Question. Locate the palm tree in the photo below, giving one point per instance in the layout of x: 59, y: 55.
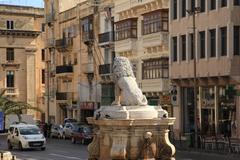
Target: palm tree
x: 8, y: 106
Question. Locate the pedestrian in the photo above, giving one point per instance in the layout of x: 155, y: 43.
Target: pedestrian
x: 45, y: 129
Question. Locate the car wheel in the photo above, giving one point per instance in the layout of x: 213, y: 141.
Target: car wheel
x: 43, y: 148
x: 9, y: 145
x: 20, y: 146
x: 73, y: 140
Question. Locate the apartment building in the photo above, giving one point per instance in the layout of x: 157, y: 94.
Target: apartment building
x: 141, y: 34
x: 22, y: 69
x: 217, y: 65
x: 106, y: 39
x: 73, y: 58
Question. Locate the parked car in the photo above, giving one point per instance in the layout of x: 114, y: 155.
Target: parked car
x: 23, y: 136
x: 68, y: 128
x: 69, y: 120
x: 82, y: 134
x: 56, y: 131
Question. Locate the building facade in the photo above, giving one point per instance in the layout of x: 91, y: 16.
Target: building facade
x: 217, y: 66
x: 22, y: 69
x: 141, y: 34
x: 73, y: 58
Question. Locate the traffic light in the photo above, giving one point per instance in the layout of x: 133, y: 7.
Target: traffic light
x: 174, y: 93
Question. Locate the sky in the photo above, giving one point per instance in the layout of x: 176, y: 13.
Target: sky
x: 34, y: 3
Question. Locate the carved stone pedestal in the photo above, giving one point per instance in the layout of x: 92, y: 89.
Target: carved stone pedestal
x: 131, y: 139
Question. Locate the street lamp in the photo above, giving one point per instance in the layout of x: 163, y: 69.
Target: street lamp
x: 193, y: 13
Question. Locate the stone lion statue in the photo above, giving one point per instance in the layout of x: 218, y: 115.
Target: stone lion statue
x: 127, y: 92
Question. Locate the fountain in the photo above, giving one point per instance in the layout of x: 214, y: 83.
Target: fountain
x: 130, y: 129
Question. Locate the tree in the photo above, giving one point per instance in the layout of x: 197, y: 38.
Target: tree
x: 8, y: 106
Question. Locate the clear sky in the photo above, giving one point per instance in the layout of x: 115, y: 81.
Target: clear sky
x: 34, y: 3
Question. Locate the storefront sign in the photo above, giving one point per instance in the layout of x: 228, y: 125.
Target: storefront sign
x: 165, y: 99
x: 87, y: 105
x: 207, y: 103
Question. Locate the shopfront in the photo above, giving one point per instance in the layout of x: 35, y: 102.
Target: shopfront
x: 87, y: 110
x: 216, y: 110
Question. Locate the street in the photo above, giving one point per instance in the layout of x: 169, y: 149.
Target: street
x: 56, y: 150
x: 65, y: 150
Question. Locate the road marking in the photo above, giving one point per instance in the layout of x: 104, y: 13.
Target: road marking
x: 63, y: 156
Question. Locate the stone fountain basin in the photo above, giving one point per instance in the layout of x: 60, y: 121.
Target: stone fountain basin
x: 123, y: 139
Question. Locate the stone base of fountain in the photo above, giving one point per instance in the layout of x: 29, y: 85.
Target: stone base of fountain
x: 131, y: 139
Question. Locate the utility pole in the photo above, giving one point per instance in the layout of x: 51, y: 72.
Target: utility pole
x: 193, y: 13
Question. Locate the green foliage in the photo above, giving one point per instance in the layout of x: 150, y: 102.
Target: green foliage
x: 8, y: 106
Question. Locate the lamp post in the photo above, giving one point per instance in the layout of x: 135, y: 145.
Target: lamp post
x: 193, y: 13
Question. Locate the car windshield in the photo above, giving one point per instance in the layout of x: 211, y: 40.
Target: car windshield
x: 87, y: 130
x: 29, y: 130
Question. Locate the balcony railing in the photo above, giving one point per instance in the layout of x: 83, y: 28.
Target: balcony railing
x: 105, y: 69
x: 87, y: 37
x: 50, y: 17
x: 106, y: 38
x: 11, y: 91
x: 12, y: 63
x: 64, y: 43
x: 64, y: 69
x: 61, y: 96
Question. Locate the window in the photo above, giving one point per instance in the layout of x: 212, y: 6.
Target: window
x: 126, y: 29
x: 202, y: 44
x: 87, y: 28
x: 175, y: 9
x: 202, y: 5
x: 183, y: 8
x: 236, y: 2
x: 10, y: 54
x: 43, y: 76
x: 223, y: 32
x: 43, y: 55
x: 10, y: 78
x: 155, y: 68
x: 174, y: 41
x: 10, y: 25
x: 106, y: 56
x: 43, y: 27
x: 155, y: 22
x: 212, y: 42
x: 191, y: 45
x: 223, y: 3
x: 183, y: 39
x: 236, y: 40
x: 212, y: 4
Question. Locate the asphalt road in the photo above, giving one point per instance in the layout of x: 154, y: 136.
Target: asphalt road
x: 65, y: 150
x: 55, y: 150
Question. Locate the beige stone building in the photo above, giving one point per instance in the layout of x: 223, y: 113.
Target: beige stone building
x: 83, y: 38
x: 73, y: 59
x: 22, y: 55
x: 141, y: 34
x: 217, y: 66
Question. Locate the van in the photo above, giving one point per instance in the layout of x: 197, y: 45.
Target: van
x: 24, y: 136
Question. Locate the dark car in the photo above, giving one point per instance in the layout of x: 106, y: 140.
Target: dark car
x: 69, y: 120
x: 82, y: 134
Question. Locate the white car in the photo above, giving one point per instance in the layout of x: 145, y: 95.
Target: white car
x: 23, y: 136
